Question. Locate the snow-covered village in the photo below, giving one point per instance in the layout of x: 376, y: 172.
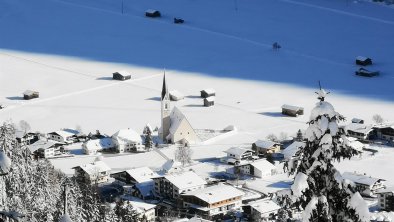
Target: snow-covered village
x: 197, y: 110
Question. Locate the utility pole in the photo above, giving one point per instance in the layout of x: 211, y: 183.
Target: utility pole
x: 122, y: 7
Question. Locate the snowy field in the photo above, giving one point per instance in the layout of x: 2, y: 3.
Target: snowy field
x: 68, y: 49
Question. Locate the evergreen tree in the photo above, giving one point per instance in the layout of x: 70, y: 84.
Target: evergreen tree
x: 148, y: 137
x: 318, y: 189
x: 299, y: 137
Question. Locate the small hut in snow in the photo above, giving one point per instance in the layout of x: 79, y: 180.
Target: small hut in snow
x: 210, y: 101
x: 121, y: 75
x: 175, y: 95
x: 292, y: 110
x: 363, y: 61
x: 207, y: 93
x: 152, y: 13
x: 30, y: 94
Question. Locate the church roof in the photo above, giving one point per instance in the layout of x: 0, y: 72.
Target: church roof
x: 176, y: 119
x: 164, y: 90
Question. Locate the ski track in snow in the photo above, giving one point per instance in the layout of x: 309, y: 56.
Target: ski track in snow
x: 340, y: 12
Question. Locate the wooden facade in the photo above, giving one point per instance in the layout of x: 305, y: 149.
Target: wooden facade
x: 292, y: 110
x: 29, y: 94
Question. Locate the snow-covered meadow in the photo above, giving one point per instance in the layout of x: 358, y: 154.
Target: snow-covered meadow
x: 68, y: 49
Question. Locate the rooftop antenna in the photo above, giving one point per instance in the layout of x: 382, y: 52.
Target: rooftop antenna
x: 321, y: 93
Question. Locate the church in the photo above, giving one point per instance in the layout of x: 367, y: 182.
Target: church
x: 175, y: 128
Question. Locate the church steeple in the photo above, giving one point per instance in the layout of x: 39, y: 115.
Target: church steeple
x: 165, y: 111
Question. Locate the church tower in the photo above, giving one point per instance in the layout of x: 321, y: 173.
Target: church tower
x: 165, y: 111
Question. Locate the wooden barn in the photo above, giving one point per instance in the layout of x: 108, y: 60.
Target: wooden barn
x: 175, y: 95
x: 210, y: 101
x: 366, y: 72
x: 363, y: 61
x: 152, y: 13
x: 121, y: 75
x: 205, y: 93
x: 292, y: 110
x: 29, y: 94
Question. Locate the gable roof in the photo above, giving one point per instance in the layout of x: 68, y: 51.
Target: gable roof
x: 93, y: 168
x: 126, y: 135
x: 292, y: 149
x: 65, y: 133
x: 210, y: 99
x: 184, y: 180
x: 41, y: 144
x: 290, y: 107
x: 98, y: 144
x: 264, y: 206
x: 237, y: 151
x: 177, y: 117
x: 142, y: 174
x: 123, y: 73
x: 360, y: 178
x: 359, y: 128
x: 265, y: 144
x: 262, y: 164
x: 214, y: 194
x: 208, y: 91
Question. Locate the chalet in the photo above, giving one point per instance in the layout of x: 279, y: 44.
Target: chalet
x: 180, y: 128
x: 45, y: 149
x: 292, y: 110
x: 291, y: 151
x: 386, y: 199
x: 384, y: 132
x: 145, y: 211
x: 175, y: 95
x: 207, y: 93
x: 172, y: 185
x: 365, y: 185
x: 364, y: 61
x: 360, y: 131
x: 96, y: 172
x: 127, y: 140
x: 366, y: 72
x: 261, y: 210
x: 66, y: 136
x: 91, y: 147
x: 212, y: 201
x: 357, y: 120
x: 26, y: 137
x: 265, y: 147
x: 259, y: 168
x: 209, y: 101
x: 152, y: 13
x: 29, y: 94
x: 121, y: 75
x: 239, y: 153
x: 135, y: 176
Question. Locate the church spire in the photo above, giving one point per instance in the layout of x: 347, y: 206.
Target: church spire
x: 164, y: 90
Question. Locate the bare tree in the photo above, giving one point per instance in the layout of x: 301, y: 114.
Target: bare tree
x: 282, y: 136
x: 78, y: 128
x: 377, y: 119
x: 272, y: 137
x: 24, y: 125
x: 184, y: 154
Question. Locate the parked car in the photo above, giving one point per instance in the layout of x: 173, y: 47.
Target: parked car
x: 366, y: 72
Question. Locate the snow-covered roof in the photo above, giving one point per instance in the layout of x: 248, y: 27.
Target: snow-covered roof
x: 264, y: 206
x: 127, y: 135
x: 361, y: 58
x: 184, y: 180
x: 262, y: 164
x: 98, y: 144
x: 65, y: 132
x: 217, y: 193
x: 95, y: 167
x: 176, y: 117
x: 142, y: 174
x: 41, y: 144
x: 360, y: 178
x: 292, y: 149
x: 29, y: 92
x: 387, y: 190
x: 238, y: 151
x: 290, y: 107
x: 138, y: 203
x: 359, y: 128
x: 176, y: 95
x: 357, y: 120
x: 208, y: 91
x: 146, y: 188
x: 357, y: 145
x: 123, y: 73
x: 210, y: 99
x: 170, y: 165
x: 265, y: 144
x: 151, y: 11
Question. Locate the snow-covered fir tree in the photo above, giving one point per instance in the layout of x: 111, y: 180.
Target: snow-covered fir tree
x: 318, y: 189
x: 299, y: 137
x: 148, y: 137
